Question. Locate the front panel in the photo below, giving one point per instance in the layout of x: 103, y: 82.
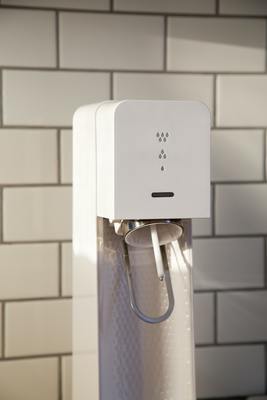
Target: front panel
x: 162, y: 160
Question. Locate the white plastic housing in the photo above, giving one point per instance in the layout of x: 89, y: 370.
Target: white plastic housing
x: 146, y: 147
x: 116, y: 168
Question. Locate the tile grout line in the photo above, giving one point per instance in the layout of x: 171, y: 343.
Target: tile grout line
x: 60, y: 387
x: 165, y: 43
x: 60, y: 270
x: 134, y: 71
x: 213, y: 210
x: 136, y: 13
x: 68, y: 127
x: 36, y: 185
x: 57, y: 39
x: 265, y: 366
x: 36, y: 356
x: 265, y: 155
x: 214, y: 101
x: 243, y: 289
x: 217, y: 7
x: 3, y: 329
x: 259, y: 343
x: 215, y: 318
x: 111, y: 6
x: 48, y: 241
x: 59, y: 177
x: 34, y: 299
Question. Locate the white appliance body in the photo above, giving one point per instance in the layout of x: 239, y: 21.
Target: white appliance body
x: 135, y: 160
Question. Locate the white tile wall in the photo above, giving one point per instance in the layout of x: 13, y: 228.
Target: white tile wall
x: 56, y: 55
x: 34, y: 153
x: 228, y: 263
x: 38, y: 327
x: 27, y: 38
x: 52, y: 98
x: 29, y: 379
x: 240, y: 100
x: 209, y: 44
x: 247, y: 146
x: 77, y: 4
x: 28, y: 270
x: 38, y: 213
x: 164, y: 86
x: 66, y: 269
x: 243, y: 7
x: 230, y: 371
x: 66, y: 378
x: 66, y: 156
x: 242, y: 317
x: 241, y: 209
x: 111, y: 41
x: 202, y: 226
x: 168, y: 6
x: 204, y: 314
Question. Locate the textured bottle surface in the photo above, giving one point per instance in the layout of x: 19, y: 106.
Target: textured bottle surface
x: 141, y: 361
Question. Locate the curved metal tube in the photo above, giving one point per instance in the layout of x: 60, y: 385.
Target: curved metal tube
x: 134, y: 306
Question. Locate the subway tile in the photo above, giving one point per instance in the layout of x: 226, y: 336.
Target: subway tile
x: 201, y: 226
x: 34, y: 156
x: 240, y: 100
x: 107, y: 41
x: 228, y: 263
x: 66, y: 269
x: 27, y: 38
x: 243, y: 7
x: 212, y: 44
x: 38, y: 327
x: 53, y: 98
x: 77, y: 4
x: 237, y: 155
x: 37, y: 213
x: 230, y: 371
x: 67, y: 378
x: 241, y: 209
x: 167, y: 6
x: 204, y: 318
x: 242, y: 317
x: 29, y: 379
x: 66, y: 156
x: 164, y: 87
x: 28, y: 270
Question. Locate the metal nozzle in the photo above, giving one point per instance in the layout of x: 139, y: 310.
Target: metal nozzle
x: 146, y: 234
